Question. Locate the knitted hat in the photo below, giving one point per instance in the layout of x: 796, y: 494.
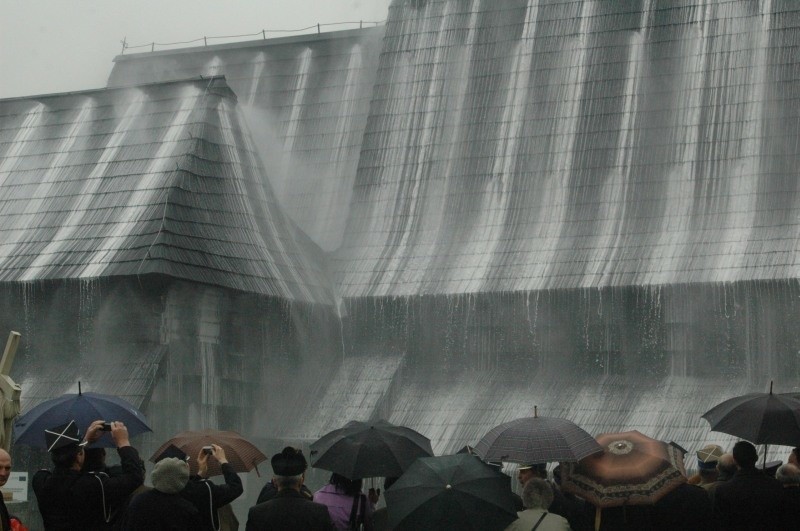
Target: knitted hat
x: 170, y: 475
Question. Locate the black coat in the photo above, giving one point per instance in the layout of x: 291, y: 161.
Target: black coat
x: 153, y: 510
x: 790, y: 514
x: 750, y: 500
x: 207, y: 496
x: 70, y: 499
x: 687, y: 508
x: 269, y: 491
x: 5, y: 521
x: 289, y: 511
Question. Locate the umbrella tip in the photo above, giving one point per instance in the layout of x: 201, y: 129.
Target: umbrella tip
x: 536, y: 412
x: 79, y: 388
x: 770, y: 387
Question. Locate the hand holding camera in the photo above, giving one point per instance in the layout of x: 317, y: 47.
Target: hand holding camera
x: 119, y: 433
x: 214, y: 450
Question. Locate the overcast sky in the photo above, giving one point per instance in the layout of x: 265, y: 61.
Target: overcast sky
x: 64, y: 45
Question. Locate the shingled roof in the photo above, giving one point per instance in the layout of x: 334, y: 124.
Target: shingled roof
x: 307, y: 100
x: 159, y: 178
x: 522, y: 146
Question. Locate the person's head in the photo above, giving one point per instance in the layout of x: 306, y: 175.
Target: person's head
x: 170, y: 475
x: 289, y: 468
x: 65, y: 446
x: 707, y: 458
x: 788, y: 475
x: 726, y: 466
x: 5, y: 466
x: 351, y: 487
x: 745, y: 455
x: 794, y: 457
x: 537, y: 494
x: 527, y: 472
x: 94, y: 459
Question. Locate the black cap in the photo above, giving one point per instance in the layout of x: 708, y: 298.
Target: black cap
x: 63, y: 436
x: 290, y: 462
x: 172, y: 451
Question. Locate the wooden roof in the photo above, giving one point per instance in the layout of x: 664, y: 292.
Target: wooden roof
x: 159, y: 178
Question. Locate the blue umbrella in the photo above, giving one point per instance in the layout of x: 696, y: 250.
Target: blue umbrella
x: 83, y: 408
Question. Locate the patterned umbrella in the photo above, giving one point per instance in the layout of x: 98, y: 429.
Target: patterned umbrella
x: 241, y: 453
x: 532, y: 440
x: 632, y: 470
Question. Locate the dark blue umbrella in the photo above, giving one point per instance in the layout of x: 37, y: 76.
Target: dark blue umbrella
x: 83, y: 408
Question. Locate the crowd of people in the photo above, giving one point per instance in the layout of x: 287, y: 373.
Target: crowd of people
x: 730, y: 492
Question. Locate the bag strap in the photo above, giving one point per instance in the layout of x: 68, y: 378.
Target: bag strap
x: 214, y: 524
x: 356, y: 515
x: 539, y: 522
x: 106, y: 510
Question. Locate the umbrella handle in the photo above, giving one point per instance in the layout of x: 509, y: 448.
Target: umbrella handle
x: 597, y: 513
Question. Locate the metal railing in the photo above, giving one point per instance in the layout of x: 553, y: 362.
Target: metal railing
x: 263, y: 34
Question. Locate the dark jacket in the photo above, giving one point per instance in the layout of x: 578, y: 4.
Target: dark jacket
x: 751, y: 500
x: 289, y: 511
x: 70, y: 500
x: 791, y: 508
x: 687, y: 508
x: 269, y: 491
x: 155, y: 511
x: 5, y: 521
x: 571, y: 508
x: 208, y: 496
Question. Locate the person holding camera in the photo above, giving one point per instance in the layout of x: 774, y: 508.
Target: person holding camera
x: 204, y: 494
x: 70, y: 498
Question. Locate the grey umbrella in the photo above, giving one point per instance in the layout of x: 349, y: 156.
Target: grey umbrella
x: 536, y: 439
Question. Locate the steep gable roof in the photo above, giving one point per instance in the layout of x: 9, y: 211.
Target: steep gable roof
x: 158, y: 178
x: 307, y: 99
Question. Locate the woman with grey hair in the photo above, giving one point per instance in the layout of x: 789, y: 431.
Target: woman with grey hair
x: 537, y: 495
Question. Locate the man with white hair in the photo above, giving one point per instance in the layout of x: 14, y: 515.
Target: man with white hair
x: 788, y: 475
x: 537, y: 495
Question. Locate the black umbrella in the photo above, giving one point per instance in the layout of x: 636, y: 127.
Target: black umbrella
x: 761, y: 418
x: 369, y: 449
x: 537, y: 439
x: 458, y: 492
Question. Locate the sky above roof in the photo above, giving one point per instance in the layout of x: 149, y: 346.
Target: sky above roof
x: 51, y: 46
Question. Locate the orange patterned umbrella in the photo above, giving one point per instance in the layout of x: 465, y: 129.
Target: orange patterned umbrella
x: 632, y: 470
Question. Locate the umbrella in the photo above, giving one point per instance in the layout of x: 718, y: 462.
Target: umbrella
x: 241, y: 453
x: 458, y: 492
x: 761, y: 418
x: 369, y: 449
x: 83, y: 408
x: 632, y: 470
x: 536, y: 439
